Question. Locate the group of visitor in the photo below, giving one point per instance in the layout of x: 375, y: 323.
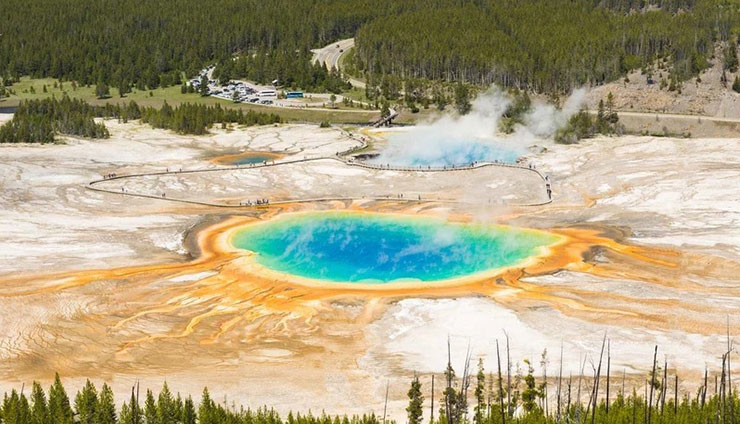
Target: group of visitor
x: 257, y: 202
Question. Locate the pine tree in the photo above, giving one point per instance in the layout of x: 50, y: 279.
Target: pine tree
x: 462, y: 98
x: 15, y: 409
x: 601, y: 116
x: 188, y: 412
x: 60, y: 410
x: 126, y: 417
x: 530, y: 393
x: 106, y: 410
x: 611, y: 113
x: 10, y: 410
x: 24, y: 410
x: 39, y: 408
x: 150, y: 408
x: 480, y: 395
x: 166, y: 413
x: 86, y: 404
x: 385, y: 109
x: 178, y: 406
x: 205, y: 412
x: 416, y: 401
x: 730, y: 53
x: 203, y: 88
x: 102, y: 90
x: 736, y: 84
x: 123, y: 88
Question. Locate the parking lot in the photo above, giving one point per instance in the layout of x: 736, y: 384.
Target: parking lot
x: 239, y: 91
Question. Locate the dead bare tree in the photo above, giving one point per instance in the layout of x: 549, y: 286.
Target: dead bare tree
x: 560, y: 382
x: 500, y: 385
x: 578, y: 394
x: 664, y: 386
x: 624, y: 376
x: 723, y: 387
x: 570, y: 386
x: 385, y: 405
x: 508, y: 377
x: 675, y: 396
x: 591, y: 393
x: 652, y: 386
x: 431, y: 408
x: 463, y: 395
x: 704, y: 390
x: 544, y: 380
x: 718, y: 414
x: 137, y: 416
x: 448, y: 375
x: 597, y: 379
x: 608, y: 372
x: 729, y: 372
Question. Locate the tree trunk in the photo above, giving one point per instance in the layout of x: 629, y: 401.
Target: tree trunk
x: 652, y: 386
x: 500, y: 386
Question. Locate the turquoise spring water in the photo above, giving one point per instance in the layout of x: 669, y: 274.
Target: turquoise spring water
x: 253, y: 158
x: 376, y: 248
x: 444, y: 153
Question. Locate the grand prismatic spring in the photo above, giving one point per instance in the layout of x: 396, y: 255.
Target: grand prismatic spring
x: 377, y: 249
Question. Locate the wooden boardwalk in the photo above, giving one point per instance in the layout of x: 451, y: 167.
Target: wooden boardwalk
x: 340, y: 156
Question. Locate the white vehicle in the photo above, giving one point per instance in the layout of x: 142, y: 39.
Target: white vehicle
x: 267, y: 93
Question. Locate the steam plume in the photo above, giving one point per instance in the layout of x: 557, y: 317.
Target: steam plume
x: 460, y: 140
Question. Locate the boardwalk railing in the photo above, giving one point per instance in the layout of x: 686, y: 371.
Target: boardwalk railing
x: 386, y: 119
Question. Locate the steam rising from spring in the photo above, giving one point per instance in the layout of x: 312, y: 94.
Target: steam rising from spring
x: 460, y: 140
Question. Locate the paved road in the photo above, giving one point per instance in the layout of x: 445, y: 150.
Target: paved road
x: 676, y: 115
x: 329, y: 55
x: 699, y: 126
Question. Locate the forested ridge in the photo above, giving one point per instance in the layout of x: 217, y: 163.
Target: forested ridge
x: 545, y: 45
x: 146, y: 44
x: 540, y: 45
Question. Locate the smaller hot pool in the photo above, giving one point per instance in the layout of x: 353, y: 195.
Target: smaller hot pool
x: 248, y: 158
